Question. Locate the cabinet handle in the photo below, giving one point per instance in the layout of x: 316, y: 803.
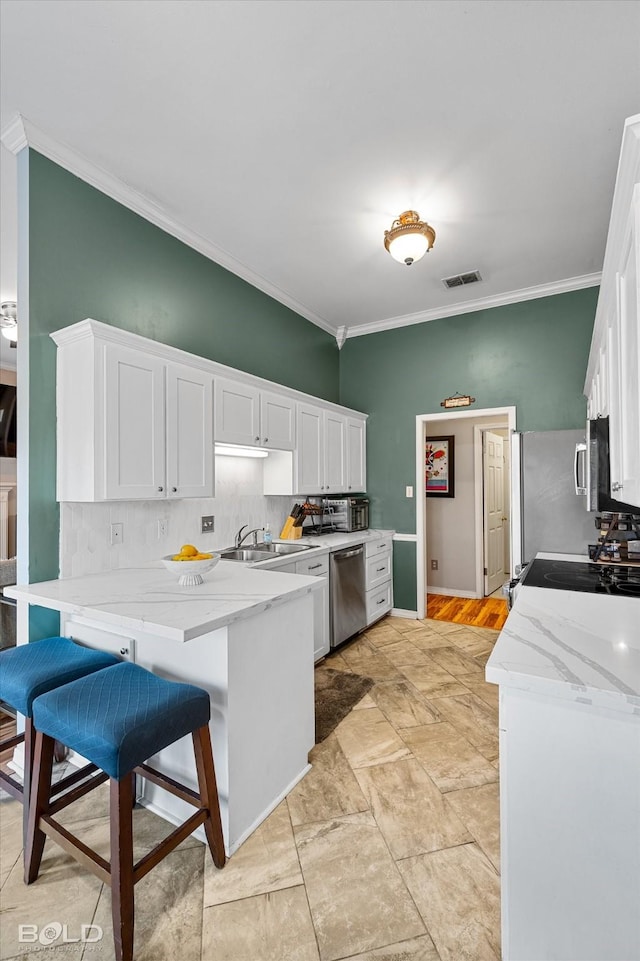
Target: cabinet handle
x: 174, y: 490
x: 379, y: 570
x: 160, y: 490
x: 257, y: 439
x: 382, y: 600
x: 313, y: 567
x: 380, y: 546
x: 124, y: 650
x: 266, y: 440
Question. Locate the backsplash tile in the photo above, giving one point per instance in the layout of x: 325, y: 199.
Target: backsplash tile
x: 85, y: 529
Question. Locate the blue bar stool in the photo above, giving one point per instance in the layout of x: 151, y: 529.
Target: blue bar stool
x: 33, y: 669
x: 117, y: 719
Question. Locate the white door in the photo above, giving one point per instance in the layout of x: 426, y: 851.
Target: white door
x: 335, y: 476
x: 237, y: 413
x: 494, y: 515
x: 310, y: 450
x: 189, y: 432
x: 134, y: 425
x: 277, y: 421
x: 356, y: 466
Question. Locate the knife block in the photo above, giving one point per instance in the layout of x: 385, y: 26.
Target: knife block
x: 289, y: 532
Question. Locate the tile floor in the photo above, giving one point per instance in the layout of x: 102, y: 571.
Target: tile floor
x: 388, y: 850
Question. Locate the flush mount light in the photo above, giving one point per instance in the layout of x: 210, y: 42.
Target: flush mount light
x: 409, y: 238
x: 9, y: 321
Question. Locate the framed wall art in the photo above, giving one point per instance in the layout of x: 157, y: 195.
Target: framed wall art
x: 439, y: 467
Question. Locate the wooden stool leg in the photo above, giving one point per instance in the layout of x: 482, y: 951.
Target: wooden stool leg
x: 38, y: 805
x: 29, y: 748
x: 122, y: 907
x: 209, y: 793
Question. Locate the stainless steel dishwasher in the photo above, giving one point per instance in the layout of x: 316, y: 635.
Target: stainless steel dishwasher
x: 347, y: 588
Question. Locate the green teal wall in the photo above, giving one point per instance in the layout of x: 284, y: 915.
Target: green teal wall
x: 91, y: 257
x: 532, y: 355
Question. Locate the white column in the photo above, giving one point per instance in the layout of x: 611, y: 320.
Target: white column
x: 5, y: 490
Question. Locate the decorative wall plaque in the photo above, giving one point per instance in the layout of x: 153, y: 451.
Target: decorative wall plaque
x: 457, y: 400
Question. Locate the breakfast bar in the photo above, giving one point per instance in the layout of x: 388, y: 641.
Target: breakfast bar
x: 244, y: 635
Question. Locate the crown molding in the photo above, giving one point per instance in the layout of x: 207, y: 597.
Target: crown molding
x: 482, y: 303
x: 22, y: 133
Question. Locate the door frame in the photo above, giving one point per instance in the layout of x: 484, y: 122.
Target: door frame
x: 422, y: 420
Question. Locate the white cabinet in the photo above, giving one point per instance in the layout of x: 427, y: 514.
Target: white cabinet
x: 330, y: 453
x: 356, y: 455
x: 624, y: 424
x: 569, y: 828
x: 378, y: 578
x: 251, y: 417
x: 314, y: 567
x: 131, y: 425
x: 612, y: 384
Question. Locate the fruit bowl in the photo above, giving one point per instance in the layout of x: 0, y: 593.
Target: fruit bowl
x: 189, y: 573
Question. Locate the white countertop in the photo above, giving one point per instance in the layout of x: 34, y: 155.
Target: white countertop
x: 149, y: 599
x: 323, y: 543
x: 572, y: 645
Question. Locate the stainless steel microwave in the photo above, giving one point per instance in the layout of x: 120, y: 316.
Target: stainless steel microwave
x: 348, y: 513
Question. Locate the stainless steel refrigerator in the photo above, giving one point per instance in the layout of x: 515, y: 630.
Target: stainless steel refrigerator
x: 552, y: 517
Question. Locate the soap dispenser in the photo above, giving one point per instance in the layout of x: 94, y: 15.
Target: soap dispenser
x: 267, y: 536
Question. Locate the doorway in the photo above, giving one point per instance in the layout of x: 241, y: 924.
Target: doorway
x: 454, y: 528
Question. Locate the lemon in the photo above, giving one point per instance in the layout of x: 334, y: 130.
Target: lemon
x: 188, y: 550
x: 202, y: 557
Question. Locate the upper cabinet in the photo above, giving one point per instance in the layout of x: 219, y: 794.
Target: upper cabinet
x: 251, y: 417
x: 330, y: 453
x: 612, y: 385
x: 131, y: 425
x: 138, y: 420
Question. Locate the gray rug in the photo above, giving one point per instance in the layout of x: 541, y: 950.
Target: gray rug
x: 336, y: 693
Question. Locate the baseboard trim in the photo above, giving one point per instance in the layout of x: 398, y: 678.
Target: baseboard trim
x: 453, y: 592
x: 400, y: 612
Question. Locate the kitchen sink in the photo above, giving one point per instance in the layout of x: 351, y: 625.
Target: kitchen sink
x: 244, y: 554
x: 261, y: 552
x: 284, y: 548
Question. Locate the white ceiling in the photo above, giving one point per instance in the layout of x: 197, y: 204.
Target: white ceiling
x: 284, y: 137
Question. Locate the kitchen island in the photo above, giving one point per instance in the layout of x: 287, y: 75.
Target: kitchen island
x: 568, y: 667
x: 244, y: 635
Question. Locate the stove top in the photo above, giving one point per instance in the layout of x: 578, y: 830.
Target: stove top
x: 620, y: 579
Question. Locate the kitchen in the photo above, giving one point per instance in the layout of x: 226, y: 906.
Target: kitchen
x: 382, y: 373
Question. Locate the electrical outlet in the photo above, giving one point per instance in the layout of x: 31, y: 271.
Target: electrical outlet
x: 206, y: 524
x: 162, y: 528
x: 116, y: 533
x: 408, y: 491
x: 434, y: 565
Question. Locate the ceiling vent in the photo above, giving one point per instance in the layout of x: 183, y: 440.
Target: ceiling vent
x: 461, y: 280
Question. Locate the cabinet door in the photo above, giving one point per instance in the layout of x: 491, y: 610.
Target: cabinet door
x: 277, y: 421
x: 310, y: 450
x: 335, y: 478
x: 625, y: 468
x: 356, y: 455
x: 134, y: 424
x: 189, y: 432
x: 237, y: 413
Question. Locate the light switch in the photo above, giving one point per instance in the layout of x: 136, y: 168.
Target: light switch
x: 409, y: 491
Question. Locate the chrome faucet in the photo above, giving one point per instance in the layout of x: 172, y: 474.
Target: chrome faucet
x: 240, y: 537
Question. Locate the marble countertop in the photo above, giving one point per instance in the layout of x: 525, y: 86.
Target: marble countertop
x: 322, y: 544
x: 149, y: 599
x: 572, y: 645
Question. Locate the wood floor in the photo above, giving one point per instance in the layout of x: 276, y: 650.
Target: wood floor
x: 476, y: 612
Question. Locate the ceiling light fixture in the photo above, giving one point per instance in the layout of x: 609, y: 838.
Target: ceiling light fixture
x: 409, y: 238
x: 9, y: 321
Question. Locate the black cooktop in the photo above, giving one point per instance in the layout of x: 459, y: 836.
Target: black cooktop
x: 621, y: 579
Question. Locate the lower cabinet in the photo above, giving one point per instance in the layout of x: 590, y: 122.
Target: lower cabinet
x: 378, y: 578
x: 315, y: 567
